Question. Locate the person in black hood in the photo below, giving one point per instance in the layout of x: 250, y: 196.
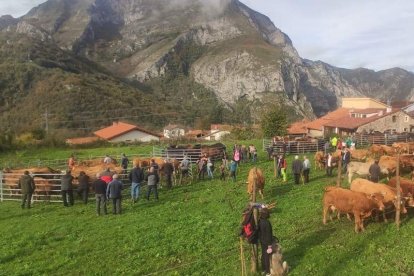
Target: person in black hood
x: 67, y: 188
x: 83, y: 188
x: 266, y: 239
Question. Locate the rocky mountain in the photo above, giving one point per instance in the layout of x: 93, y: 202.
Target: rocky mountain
x: 156, y: 49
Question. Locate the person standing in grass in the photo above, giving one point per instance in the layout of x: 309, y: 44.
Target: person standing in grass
x: 124, y: 163
x: 153, y: 180
x: 233, y: 169
x: 83, y: 188
x: 71, y: 162
x: 185, y: 166
x: 297, y: 168
x: 114, y: 192
x: 136, y: 176
x: 168, y: 170
x: 346, y: 159
x: 266, y: 239
x: 67, y: 188
x: 329, y: 164
x: 283, y: 167
x: 210, y: 167
x: 306, y: 169
x: 223, y: 171
x: 27, y: 186
x: 107, y: 175
x: 99, y: 186
x: 375, y: 172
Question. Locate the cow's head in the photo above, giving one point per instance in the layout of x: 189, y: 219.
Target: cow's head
x: 409, y: 200
x: 402, y: 204
x: 379, y: 200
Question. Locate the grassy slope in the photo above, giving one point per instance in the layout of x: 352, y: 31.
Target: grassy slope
x: 193, y: 231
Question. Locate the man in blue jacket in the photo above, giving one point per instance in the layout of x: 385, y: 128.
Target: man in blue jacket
x: 114, y: 192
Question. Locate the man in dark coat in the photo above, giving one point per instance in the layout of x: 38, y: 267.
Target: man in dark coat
x: 266, y: 239
x: 297, y: 167
x: 375, y: 172
x: 168, y: 170
x: 83, y: 188
x: 99, y: 186
x: 67, y: 189
x: 346, y: 158
x: 27, y: 186
x: 114, y: 192
x: 124, y: 163
x: 136, y: 176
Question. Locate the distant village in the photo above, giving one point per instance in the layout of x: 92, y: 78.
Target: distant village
x: 356, y: 115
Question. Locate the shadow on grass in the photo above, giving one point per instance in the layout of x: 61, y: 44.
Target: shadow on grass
x: 296, y: 254
x: 344, y: 259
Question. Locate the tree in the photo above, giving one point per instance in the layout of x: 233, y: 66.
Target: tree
x: 274, y: 122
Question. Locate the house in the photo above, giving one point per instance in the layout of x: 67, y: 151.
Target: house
x: 173, y: 131
x: 216, y: 135
x: 123, y: 132
x: 217, y: 132
x: 316, y: 127
x: 359, y: 115
x: 298, y: 128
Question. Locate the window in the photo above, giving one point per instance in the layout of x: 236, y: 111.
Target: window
x: 405, y: 129
x: 364, y: 116
x: 394, y: 119
x: 406, y: 119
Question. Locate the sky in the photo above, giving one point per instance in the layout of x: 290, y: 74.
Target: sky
x: 375, y: 34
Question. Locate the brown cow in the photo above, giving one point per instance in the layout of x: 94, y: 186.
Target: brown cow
x: 346, y: 201
x: 402, y: 147
x: 12, y: 176
x: 388, y: 150
x: 389, y: 163
x: 389, y: 193
x: 255, y: 175
x: 91, y: 171
x: 359, y: 154
x: 320, y: 160
x: 376, y: 150
x: 407, y: 187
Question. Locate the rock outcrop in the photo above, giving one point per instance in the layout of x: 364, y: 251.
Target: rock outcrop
x: 222, y: 44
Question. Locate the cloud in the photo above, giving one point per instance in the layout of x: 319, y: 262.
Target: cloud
x: 373, y: 33
x: 209, y: 8
x: 18, y: 8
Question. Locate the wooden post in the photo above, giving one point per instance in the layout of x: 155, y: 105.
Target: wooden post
x: 398, y: 211
x: 338, y: 180
x: 254, y: 259
x: 275, y: 166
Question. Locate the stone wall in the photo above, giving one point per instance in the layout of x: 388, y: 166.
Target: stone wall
x: 398, y: 121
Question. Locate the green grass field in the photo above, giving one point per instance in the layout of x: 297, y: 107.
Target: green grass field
x: 193, y: 230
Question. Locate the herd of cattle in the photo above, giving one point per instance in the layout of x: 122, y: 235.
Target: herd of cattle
x: 360, y: 200
x: 362, y: 159
x: 47, y: 180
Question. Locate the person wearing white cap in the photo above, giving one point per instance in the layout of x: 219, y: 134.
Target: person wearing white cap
x: 114, y: 192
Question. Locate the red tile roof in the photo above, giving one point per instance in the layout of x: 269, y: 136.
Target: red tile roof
x: 298, y: 127
x: 331, y: 116
x: 120, y: 128
x: 353, y: 123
